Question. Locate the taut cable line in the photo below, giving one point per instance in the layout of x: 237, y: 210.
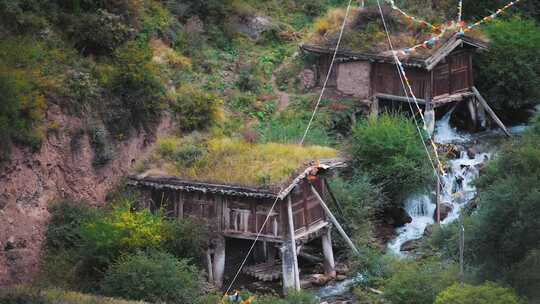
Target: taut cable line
x: 329, y: 72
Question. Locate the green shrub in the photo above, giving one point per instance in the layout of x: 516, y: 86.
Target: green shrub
x: 419, y: 282
x: 58, y: 269
x: 22, y: 109
x: 468, y: 294
x: 359, y: 199
x: 121, y: 231
x: 187, y: 238
x: 99, y: 33
x: 152, y: 276
x: 27, y: 295
x: 512, y: 83
x: 525, y: 275
x: 136, y: 82
x: 294, y: 297
x: 63, y: 231
x: 195, y: 109
x: 250, y: 78
x: 389, y: 148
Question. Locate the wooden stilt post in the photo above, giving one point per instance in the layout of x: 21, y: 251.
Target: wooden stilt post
x: 472, y: 110
x: 328, y: 252
x: 490, y: 111
x: 209, y: 266
x: 429, y: 117
x: 219, y: 261
x: 334, y: 221
x: 287, y: 265
x: 293, y: 244
x: 374, y: 111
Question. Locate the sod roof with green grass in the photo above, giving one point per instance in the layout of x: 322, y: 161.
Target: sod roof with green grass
x: 234, y: 162
x: 365, y: 33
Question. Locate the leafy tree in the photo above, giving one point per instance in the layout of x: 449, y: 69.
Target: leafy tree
x: 123, y: 231
x: 468, y: 294
x: 152, y: 276
x: 419, y: 282
x: 389, y: 149
x: 509, y: 74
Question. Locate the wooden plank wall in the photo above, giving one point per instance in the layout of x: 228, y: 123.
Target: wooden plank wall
x: 243, y: 216
x: 387, y: 81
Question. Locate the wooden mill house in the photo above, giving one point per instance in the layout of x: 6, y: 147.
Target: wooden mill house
x: 280, y: 216
x: 439, y: 74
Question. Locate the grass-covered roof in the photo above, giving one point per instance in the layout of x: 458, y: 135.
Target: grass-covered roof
x: 232, y: 162
x: 365, y: 32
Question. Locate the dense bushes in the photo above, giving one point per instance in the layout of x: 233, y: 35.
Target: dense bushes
x: 110, y: 250
x: 187, y: 239
x: 138, y: 84
x: 389, y: 148
x: 63, y: 231
x: 21, y: 109
x: 152, y: 276
x: 21, y: 295
x: 195, y: 108
x: 512, y: 83
x: 122, y: 231
x: 419, y: 282
x: 99, y: 33
x: 468, y: 294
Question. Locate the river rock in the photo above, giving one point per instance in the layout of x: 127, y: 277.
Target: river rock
x: 319, y: 279
x: 342, y: 269
x: 397, y: 217
x: 429, y: 230
x: 340, y: 277
x: 411, y: 245
x: 446, y: 209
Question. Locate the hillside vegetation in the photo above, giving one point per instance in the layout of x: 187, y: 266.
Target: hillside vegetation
x: 220, y: 70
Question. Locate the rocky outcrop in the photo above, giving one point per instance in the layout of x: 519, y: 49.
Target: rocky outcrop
x: 252, y: 26
x: 62, y: 169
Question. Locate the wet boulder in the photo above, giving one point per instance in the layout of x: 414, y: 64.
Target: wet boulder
x: 411, y: 245
x: 446, y: 209
x: 397, y: 217
x: 319, y: 279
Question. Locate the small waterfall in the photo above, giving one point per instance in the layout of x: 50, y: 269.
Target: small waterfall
x: 444, y: 133
x: 420, y: 208
x: 458, y: 189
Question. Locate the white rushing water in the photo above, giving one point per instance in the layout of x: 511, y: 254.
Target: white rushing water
x: 458, y: 189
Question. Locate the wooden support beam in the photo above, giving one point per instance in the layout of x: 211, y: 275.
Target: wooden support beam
x: 335, y: 221
x: 293, y: 244
x: 399, y: 98
x: 490, y: 111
